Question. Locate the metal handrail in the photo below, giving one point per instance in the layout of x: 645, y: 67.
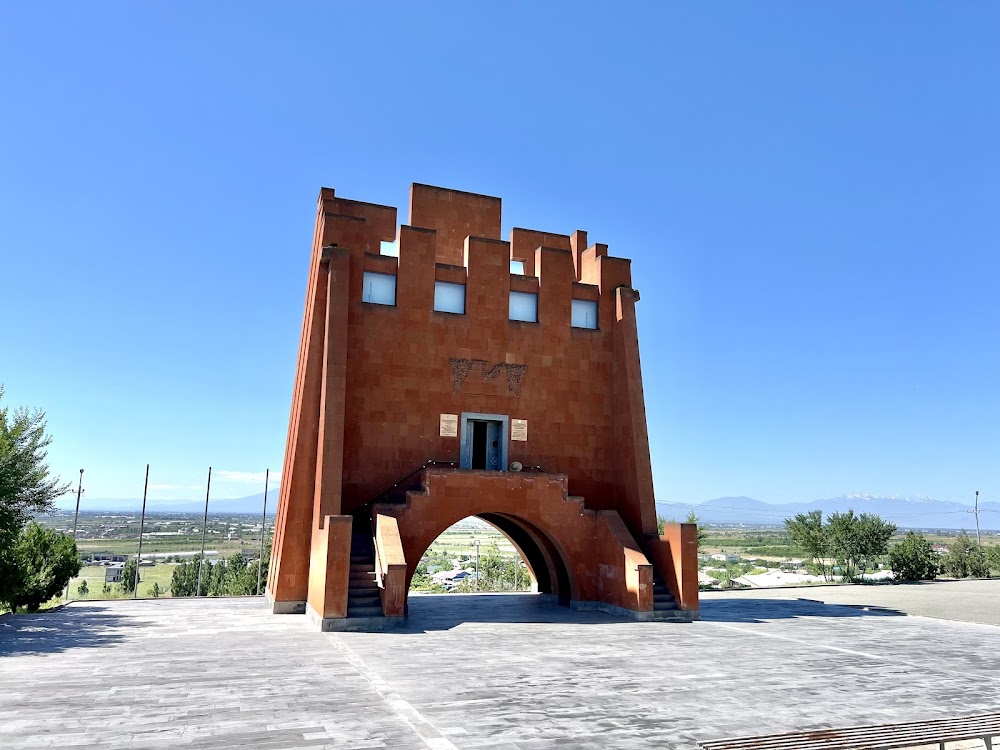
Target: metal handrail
x: 424, y: 465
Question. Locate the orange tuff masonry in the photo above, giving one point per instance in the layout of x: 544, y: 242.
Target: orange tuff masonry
x: 373, y: 381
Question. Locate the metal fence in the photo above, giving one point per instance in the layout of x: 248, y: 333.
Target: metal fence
x: 169, y: 552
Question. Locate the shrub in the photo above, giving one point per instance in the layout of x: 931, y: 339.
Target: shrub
x: 82, y: 590
x: 913, y: 559
x: 44, y: 561
x: 965, y: 559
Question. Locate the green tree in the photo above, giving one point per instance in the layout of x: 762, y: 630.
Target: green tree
x: 874, y: 534
x: 106, y: 589
x: 25, y: 485
x: 214, y: 577
x: 82, y: 590
x: 25, y: 490
x: 156, y: 590
x: 914, y: 559
x: 857, y: 541
x: 184, y: 579
x: 993, y: 559
x: 128, y: 576
x: 965, y: 559
x: 44, y: 561
x: 263, y: 564
x: 811, y: 535
x: 239, y: 579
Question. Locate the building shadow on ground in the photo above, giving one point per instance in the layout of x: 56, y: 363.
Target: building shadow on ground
x: 63, y: 629
x: 446, y: 611
x: 761, y: 610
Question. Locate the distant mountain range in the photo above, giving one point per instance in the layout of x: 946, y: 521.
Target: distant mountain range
x: 905, y: 512
x: 249, y: 504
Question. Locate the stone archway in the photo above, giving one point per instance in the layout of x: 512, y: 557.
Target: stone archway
x: 585, y: 557
x: 540, y: 553
x: 536, y: 546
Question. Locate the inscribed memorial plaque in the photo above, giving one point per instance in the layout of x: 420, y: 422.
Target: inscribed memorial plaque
x: 519, y: 429
x: 449, y: 425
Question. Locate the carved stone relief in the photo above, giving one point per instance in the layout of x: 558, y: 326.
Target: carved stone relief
x: 460, y: 369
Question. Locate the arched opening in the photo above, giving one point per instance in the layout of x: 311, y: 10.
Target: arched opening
x: 492, y: 552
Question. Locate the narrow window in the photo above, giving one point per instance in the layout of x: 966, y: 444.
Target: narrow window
x: 517, y: 266
x: 389, y: 248
x: 449, y: 297
x: 380, y: 288
x: 524, y: 306
x: 584, y: 313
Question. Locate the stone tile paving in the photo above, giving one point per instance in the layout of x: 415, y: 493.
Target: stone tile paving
x: 976, y: 600
x: 476, y: 672
x: 193, y: 674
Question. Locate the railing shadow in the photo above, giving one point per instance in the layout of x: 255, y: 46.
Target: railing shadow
x: 63, y: 629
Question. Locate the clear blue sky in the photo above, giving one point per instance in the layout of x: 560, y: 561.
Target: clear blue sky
x: 809, y: 193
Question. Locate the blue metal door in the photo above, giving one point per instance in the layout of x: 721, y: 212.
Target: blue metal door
x: 493, y: 446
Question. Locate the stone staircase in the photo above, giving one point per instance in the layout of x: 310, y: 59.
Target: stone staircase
x: 664, y: 604
x: 363, y: 597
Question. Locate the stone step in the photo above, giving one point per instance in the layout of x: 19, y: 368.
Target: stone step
x: 657, y: 606
x: 363, y: 567
x: 663, y: 597
x: 372, y: 590
x: 363, y: 611
x: 364, y: 624
x: 353, y: 602
x: 673, y: 615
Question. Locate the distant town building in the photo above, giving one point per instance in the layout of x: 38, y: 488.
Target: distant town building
x: 108, y: 558
x: 113, y: 574
x: 451, y: 578
x: 726, y: 557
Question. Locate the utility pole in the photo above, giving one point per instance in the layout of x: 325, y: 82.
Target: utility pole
x: 476, y: 543
x: 975, y: 510
x: 263, y: 531
x: 204, y: 528
x: 79, y: 491
x: 142, y: 523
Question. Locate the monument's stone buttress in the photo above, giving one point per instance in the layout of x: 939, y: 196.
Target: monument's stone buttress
x: 452, y: 374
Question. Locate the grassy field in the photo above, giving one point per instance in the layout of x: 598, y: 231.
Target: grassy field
x: 461, y: 542
x: 94, y: 576
x: 774, y: 544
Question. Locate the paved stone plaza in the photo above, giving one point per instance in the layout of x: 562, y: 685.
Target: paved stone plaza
x: 967, y: 601
x: 501, y: 671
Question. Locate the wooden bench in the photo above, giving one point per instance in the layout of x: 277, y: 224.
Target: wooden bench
x: 982, y: 727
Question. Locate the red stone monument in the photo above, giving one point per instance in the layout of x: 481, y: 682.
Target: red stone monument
x: 464, y: 375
